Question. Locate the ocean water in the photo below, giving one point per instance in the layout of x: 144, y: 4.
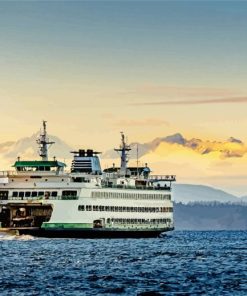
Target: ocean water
x: 180, y: 263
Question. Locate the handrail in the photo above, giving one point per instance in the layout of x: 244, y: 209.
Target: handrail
x: 162, y: 177
x: 138, y: 187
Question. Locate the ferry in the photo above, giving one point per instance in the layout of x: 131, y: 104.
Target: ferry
x: 43, y: 198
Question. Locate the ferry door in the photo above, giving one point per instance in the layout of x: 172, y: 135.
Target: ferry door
x: 99, y: 223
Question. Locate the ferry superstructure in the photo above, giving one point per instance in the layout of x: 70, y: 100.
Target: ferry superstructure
x: 41, y: 198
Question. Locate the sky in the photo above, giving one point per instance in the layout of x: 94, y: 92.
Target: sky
x: 148, y: 68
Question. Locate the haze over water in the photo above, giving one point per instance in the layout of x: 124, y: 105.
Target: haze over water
x: 181, y: 263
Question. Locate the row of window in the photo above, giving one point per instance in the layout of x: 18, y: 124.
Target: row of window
x: 138, y: 221
x: 66, y: 194
x: 125, y: 209
x: 125, y: 195
x: 33, y: 193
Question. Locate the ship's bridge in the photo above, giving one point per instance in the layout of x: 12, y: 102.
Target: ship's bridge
x: 39, y: 166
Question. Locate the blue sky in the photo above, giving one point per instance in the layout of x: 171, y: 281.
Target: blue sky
x: 93, y: 60
x: 185, y: 42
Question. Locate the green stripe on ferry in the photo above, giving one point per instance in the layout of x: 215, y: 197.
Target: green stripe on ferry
x: 66, y: 225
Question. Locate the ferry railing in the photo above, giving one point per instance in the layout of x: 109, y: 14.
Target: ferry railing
x: 170, y: 178
x: 9, y: 174
x: 41, y: 198
x: 138, y: 187
x: 4, y: 174
x: 149, y: 178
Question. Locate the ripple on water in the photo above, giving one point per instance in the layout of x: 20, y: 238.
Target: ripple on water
x: 181, y: 263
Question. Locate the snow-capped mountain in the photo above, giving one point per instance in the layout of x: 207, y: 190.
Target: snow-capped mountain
x: 229, y: 148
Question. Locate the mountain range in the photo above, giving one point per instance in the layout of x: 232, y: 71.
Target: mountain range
x: 27, y: 148
x: 155, y: 152
x: 231, y: 147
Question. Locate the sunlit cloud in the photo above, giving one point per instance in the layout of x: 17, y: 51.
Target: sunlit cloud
x: 237, y: 100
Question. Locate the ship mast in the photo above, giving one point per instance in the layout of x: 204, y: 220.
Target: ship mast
x: 43, y: 142
x: 124, y: 148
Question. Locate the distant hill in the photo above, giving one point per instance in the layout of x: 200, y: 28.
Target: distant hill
x: 244, y: 198
x: 210, y: 216
x: 193, y: 193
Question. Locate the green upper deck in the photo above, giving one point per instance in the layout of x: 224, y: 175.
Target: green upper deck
x: 39, y: 165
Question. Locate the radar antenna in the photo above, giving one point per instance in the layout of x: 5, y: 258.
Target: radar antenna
x: 124, y: 149
x: 43, y: 143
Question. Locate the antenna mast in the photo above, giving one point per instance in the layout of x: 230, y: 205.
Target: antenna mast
x: 137, y: 159
x: 124, y: 149
x: 43, y: 143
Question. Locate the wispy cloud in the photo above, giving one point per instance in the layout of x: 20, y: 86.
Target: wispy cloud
x: 234, y: 100
x: 180, y: 91
x: 141, y: 122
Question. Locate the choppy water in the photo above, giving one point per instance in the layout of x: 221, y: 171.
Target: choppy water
x: 182, y: 263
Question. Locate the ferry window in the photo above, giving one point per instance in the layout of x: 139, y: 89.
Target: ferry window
x: 69, y: 193
x: 15, y: 194
x: 21, y: 194
x: 54, y: 193
x: 108, y: 220
x: 81, y: 208
x: 89, y: 208
x: 27, y: 194
x: 4, y: 195
x: 34, y: 193
x: 47, y: 195
x: 40, y: 193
